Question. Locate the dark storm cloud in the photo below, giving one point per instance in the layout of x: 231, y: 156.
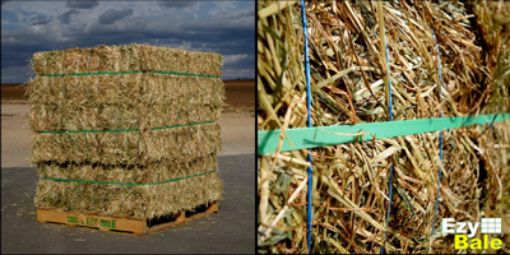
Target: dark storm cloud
x: 65, y: 18
x: 9, y: 15
x: 40, y: 20
x: 226, y: 40
x: 112, y: 15
x: 20, y: 51
x: 82, y: 4
x: 204, y: 30
x: 177, y: 3
x: 237, y: 15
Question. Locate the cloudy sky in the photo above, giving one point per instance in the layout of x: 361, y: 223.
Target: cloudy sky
x: 227, y: 27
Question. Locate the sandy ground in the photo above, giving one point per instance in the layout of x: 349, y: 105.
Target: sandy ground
x: 238, y: 134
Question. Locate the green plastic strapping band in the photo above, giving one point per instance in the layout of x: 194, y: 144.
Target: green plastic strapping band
x: 122, y: 130
x: 126, y: 183
x: 304, y: 138
x: 132, y: 72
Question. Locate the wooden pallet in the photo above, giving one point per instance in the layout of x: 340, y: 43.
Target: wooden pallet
x: 135, y: 226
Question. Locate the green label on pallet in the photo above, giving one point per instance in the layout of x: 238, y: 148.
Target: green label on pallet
x: 108, y: 223
x: 93, y: 222
x: 72, y: 219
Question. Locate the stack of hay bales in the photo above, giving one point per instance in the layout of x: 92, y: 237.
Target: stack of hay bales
x: 348, y: 86
x: 126, y: 131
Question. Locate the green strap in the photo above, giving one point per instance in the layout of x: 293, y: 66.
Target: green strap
x: 122, y: 130
x: 126, y: 183
x: 303, y: 138
x: 132, y: 72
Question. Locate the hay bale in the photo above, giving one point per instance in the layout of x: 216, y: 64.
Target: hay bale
x: 126, y: 58
x: 164, y: 197
x: 134, y: 114
x: 124, y: 101
x: 180, y: 143
x: 348, y: 86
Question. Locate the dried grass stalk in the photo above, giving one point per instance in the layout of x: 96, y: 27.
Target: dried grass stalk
x: 128, y: 148
x: 189, y: 99
x: 127, y: 57
x: 348, y: 72
x: 144, y: 202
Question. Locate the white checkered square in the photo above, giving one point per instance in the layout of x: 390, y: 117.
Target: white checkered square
x: 491, y: 226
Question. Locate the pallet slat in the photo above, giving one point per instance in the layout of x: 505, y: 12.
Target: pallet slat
x: 106, y: 223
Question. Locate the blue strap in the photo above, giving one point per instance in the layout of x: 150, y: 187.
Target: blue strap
x: 390, y: 93
x: 439, y: 171
x: 390, y: 180
x: 308, y: 124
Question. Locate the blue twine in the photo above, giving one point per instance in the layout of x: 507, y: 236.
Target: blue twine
x: 390, y: 181
x: 390, y: 94
x: 439, y: 172
x: 309, y: 124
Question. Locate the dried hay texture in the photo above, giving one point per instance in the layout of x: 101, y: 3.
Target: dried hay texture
x: 135, y: 127
x: 126, y: 58
x: 103, y: 101
x: 140, y: 148
x: 348, y: 86
x: 110, y: 102
x: 144, y: 202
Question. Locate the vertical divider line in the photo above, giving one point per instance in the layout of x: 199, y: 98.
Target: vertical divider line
x: 308, y: 124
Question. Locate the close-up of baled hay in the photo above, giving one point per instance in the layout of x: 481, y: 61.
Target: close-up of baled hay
x: 349, y: 86
x: 127, y: 131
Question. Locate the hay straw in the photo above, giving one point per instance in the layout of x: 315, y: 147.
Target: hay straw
x: 348, y: 73
x: 130, y: 113
x: 143, y: 202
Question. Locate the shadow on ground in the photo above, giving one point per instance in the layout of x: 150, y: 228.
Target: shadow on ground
x: 231, y: 230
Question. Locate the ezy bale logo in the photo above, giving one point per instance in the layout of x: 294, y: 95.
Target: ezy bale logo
x: 465, y: 232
